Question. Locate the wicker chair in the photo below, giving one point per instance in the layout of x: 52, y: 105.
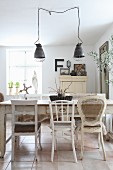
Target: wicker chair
x: 24, y: 121
x: 1, y: 97
x: 91, y: 110
x: 60, y: 112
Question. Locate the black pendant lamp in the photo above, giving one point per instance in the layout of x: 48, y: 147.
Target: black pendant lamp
x: 78, y: 53
x: 39, y: 53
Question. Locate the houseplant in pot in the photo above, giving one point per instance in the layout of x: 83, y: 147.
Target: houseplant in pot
x: 60, y: 93
x: 10, y: 86
x: 17, y: 85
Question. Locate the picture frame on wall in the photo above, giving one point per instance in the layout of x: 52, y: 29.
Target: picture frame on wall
x: 64, y: 71
x: 80, y: 69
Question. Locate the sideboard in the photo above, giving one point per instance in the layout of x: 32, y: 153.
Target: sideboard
x: 76, y: 84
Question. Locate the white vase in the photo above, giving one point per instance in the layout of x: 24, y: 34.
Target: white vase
x: 17, y: 90
x: 10, y: 90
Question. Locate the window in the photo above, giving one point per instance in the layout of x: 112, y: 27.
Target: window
x: 20, y: 68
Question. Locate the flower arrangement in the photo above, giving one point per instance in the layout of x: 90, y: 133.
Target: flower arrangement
x: 60, y: 92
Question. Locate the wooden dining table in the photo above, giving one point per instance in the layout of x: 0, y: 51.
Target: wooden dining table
x: 43, y: 112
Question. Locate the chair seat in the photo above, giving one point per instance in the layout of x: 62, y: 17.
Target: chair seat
x: 26, y: 128
x: 63, y: 126
x: 93, y: 129
x: 26, y: 117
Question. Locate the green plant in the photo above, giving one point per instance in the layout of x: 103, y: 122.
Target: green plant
x: 107, y: 60
x: 10, y: 84
x: 17, y: 84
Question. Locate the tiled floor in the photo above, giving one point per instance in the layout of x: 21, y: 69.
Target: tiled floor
x: 63, y: 160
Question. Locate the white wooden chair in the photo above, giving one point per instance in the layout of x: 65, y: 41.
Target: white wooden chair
x: 60, y: 112
x: 91, y: 110
x: 25, y: 121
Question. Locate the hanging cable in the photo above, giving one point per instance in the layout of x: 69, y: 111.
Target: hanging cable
x: 39, y: 53
x: 60, y: 12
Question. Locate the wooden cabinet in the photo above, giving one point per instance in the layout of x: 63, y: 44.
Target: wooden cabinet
x: 78, y: 83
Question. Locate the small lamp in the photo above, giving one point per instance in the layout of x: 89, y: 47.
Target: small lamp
x: 39, y: 53
x: 78, y: 53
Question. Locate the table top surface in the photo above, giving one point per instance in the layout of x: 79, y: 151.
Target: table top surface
x: 46, y: 102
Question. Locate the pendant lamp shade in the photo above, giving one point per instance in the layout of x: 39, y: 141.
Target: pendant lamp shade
x: 78, y: 53
x: 39, y: 53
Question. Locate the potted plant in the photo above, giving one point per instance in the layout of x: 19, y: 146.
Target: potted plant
x: 17, y: 85
x: 60, y: 93
x: 10, y: 86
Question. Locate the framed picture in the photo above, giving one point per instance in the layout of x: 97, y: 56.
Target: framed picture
x: 64, y: 71
x: 80, y: 69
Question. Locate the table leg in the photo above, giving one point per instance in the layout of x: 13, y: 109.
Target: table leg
x: 2, y: 131
x: 108, y: 123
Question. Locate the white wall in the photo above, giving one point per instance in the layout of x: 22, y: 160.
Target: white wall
x: 66, y: 53
x: 3, y: 70
x: 48, y: 73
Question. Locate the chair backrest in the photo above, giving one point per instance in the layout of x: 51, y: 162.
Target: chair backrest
x: 24, y: 112
x: 1, y: 97
x: 80, y: 95
x: 91, y: 108
x: 61, y: 111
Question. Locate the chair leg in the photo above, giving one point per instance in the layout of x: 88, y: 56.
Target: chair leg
x: 13, y: 145
x: 102, y: 142
x: 73, y: 146
x: 55, y: 141
x: 40, y: 138
x: 99, y: 140
x: 36, y: 149
x: 52, y: 151
x: 82, y: 143
x: 76, y: 134
x: 17, y: 141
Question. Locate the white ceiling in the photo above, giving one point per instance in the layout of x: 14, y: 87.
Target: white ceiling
x: 18, y: 21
